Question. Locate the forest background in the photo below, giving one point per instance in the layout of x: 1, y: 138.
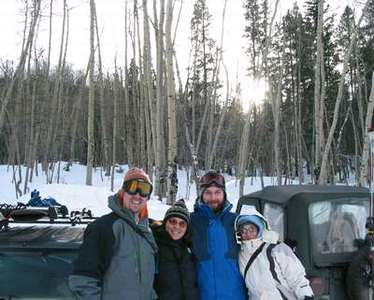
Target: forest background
x: 311, y: 67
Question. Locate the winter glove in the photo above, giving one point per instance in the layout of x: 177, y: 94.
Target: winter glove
x: 309, y: 298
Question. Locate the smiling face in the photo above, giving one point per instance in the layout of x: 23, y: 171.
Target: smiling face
x: 248, y: 232
x: 176, y: 227
x: 134, y: 203
x: 213, y: 196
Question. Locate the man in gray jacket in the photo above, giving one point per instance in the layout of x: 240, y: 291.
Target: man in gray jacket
x: 117, y: 257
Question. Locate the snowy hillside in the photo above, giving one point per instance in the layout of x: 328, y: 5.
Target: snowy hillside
x: 73, y: 192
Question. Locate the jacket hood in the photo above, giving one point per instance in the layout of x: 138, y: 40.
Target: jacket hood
x: 251, y: 212
x: 253, y: 216
x: 250, y: 219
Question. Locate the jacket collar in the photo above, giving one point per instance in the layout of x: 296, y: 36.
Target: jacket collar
x: 163, y: 237
x: 201, y: 207
x: 126, y: 214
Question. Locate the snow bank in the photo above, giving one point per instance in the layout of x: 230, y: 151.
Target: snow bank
x: 73, y: 192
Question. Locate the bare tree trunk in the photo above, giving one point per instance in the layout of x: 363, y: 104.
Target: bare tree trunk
x: 299, y: 126
x: 46, y: 87
x: 191, y: 147
x: 105, y: 142
x: 356, y: 136
x: 365, y: 152
x: 76, y: 112
x: 146, y: 131
x: 137, y: 110
x: 49, y: 153
x: 276, y: 115
x: 21, y: 65
x: 172, y: 146
x: 115, y: 116
x: 34, y: 151
x: 147, y: 62
x: 30, y: 128
x: 128, y: 137
x: 60, y: 134
x: 360, y: 100
x: 14, y: 149
x: 323, y: 174
x: 288, y: 175
x: 208, y: 104
x: 30, y: 157
x: 220, y: 124
x: 318, y: 118
x: 50, y: 35
x: 91, y: 100
x: 212, y: 144
x: 275, y: 102
x: 160, y: 159
x: 243, y: 152
x: 322, y: 102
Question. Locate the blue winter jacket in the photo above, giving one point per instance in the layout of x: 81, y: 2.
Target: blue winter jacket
x: 216, y: 252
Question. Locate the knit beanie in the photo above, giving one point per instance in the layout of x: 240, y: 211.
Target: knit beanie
x: 178, y: 210
x: 137, y: 173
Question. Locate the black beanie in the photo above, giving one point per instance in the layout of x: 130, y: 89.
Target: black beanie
x: 179, y: 210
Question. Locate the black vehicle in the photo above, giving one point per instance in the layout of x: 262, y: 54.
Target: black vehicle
x: 323, y: 223
x: 36, y: 256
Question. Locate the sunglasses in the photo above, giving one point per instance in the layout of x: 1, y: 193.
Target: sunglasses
x: 135, y: 186
x: 248, y: 229
x: 211, y: 178
x: 174, y: 222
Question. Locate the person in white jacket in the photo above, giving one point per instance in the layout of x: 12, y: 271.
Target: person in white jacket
x: 270, y: 269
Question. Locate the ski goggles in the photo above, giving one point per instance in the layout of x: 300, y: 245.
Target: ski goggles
x: 135, y: 186
x: 212, y: 178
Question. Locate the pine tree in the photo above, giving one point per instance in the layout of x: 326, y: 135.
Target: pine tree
x: 202, y: 76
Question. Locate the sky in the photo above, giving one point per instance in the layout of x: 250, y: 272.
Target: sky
x: 111, y: 27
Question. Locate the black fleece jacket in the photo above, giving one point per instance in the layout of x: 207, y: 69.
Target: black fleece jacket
x: 176, y: 276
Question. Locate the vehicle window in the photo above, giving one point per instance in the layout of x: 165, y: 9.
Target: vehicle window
x: 336, y: 224
x: 275, y: 217
x: 247, y: 209
x: 35, y: 275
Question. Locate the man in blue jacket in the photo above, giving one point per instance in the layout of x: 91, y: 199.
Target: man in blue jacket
x: 213, y: 242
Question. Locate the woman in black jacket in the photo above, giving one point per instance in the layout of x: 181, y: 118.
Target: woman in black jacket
x: 176, y: 277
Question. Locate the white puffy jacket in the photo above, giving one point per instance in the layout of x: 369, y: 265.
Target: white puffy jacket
x: 274, y: 271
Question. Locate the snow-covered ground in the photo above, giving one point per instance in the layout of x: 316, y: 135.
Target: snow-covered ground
x: 73, y: 192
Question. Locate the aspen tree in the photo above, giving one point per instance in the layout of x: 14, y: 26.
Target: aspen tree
x: 115, y: 117
x: 368, y: 123
x: 91, y: 99
x: 103, y: 119
x: 171, y: 97
x: 347, y: 54
x: 160, y: 158
x: 318, y: 84
x: 128, y: 135
x: 21, y: 65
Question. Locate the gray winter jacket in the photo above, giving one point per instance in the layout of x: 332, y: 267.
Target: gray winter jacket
x: 117, y: 258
